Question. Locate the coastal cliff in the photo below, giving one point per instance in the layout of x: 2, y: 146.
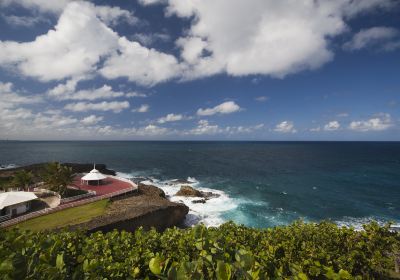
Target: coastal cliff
x: 147, y: 208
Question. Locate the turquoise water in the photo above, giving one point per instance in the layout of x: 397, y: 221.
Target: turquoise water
x: 262, y: 184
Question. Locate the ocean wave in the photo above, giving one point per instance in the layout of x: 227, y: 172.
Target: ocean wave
x: 357, y: 223
x: 209, y: 213
x: 7, y: 166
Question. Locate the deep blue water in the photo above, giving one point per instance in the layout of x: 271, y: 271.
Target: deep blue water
x: 268, y: 183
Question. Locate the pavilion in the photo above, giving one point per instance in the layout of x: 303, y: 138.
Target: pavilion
x: 93, y: 176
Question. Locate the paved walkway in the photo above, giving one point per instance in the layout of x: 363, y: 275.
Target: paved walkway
x: 114, y: 186
x: 108, y: 185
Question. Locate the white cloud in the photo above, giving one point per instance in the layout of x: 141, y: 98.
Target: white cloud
x: 243, y: 129
x: 140, y: 64
x: 379, y: 122
x: 265, y: 37
x: 224, y: 108
x: 113, y: 15
x: 149, y: 38
x: 204, y: 127
x: 104, y: 92
x: 144, y: 108
x: 332, y: 125
x: 261, y: 98
x: 91, y: 120
x: 73, y: 48
x: 371, y: 37
x: 79, y: 42
x: 285, y: 127
x: 114, y: 106
x: 67, y: 91
x: 135, y: 94
x: 315, y: 129
x: 151, y: 2
x: 171, y: 118
x: 152, y: 130
x: 9, y: 99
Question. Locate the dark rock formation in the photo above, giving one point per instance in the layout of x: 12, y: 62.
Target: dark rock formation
x: 188, y: 191
x: 199, y: 201
x: 148, y: 208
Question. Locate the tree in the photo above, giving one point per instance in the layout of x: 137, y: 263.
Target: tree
x: 57, y: 177
x: 22, y: 179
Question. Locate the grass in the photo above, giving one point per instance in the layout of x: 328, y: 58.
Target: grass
x: 71, y: 216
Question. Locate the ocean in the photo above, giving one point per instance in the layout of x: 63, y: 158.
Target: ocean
x: 261, y: 184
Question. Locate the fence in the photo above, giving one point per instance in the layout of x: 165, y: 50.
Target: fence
x: 46, y: 211
x: 5, y: 217
x: 78, y: 197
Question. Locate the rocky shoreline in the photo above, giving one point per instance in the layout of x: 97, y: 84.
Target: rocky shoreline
x: 148, y: 208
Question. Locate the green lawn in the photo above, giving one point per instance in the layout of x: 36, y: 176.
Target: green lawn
x: 66, y: 217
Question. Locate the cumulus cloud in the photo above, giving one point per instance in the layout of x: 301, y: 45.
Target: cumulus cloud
x: 379, y: 35
x: 11, y: 99
x: 104, y: 92
x: 379, y: 122
x: 91, y: 120
x: 73, y: 48
x: 115, y: 106
x: 332, y: 125
x: 285, y: 127
x: 171, y: 118
x: 279, y: 38
x: 79, y: 41
x: 140, y: 64
x: 223, y: 108
x: 144, y: 108
x: 204, y: 127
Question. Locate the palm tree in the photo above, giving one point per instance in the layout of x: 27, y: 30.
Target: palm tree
x: 57, y: 177
x: 22, y: 179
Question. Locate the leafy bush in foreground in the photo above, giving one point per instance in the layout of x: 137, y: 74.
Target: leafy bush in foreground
x: 298, y: 251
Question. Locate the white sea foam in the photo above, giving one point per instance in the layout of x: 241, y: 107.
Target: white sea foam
x: 357, y: 223
x: 209, y: 213
x: 7, y: 166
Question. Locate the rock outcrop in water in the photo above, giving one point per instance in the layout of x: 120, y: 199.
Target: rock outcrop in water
x: 148, y: 208
x: 189, y: 191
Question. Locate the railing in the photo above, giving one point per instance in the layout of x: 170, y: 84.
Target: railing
x: 46, y: 211
x: 5, y: 217
x: 78, y: 197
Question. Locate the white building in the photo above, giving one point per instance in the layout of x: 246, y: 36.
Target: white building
x: 94, y: 176
x: 15, y: 203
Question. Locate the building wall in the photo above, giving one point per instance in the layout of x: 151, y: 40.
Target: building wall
x: 19, y: 208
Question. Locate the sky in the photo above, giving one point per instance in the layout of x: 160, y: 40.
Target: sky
x: 200, y: 70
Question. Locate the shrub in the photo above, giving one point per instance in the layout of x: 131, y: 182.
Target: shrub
x: 299, y: 251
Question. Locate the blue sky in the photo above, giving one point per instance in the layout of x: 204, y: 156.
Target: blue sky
x: 200, y: 70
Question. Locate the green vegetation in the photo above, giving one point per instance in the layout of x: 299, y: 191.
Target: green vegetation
x: 66, y: 217
x: 57, y: 177
x: 21, y: 179
x: 73, y: 192
x: 299, y: 251
x: 5, y: 182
